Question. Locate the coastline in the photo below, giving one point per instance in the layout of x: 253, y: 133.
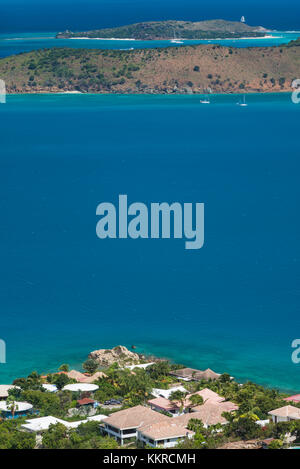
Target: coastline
x: 195, y: 95
x: 147, y: 355
x: 179, y: 39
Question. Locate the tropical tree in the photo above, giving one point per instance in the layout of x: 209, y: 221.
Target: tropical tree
x: 64, y: 367
x: 90, y: 366
x: 178, y: 396
x: 12, y: 406
x: 196, y: 400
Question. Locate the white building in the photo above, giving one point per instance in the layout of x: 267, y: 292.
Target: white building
x: 166, y: 393
x: 142, y: 366
x: 42, y: 424
x: 285, y: 414
x: 81, y: 387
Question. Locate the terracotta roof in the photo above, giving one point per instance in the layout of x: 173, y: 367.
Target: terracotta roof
x: 295, y: 398
x: 94, y: 377
x: 135, y: 417
x: 163, y: 403
x: 209, y: 414
x: 286, y: 411
x: 186, y: 373
x: 163, y: 430
x: 191, y: 373
x: 210, y: 374
x: 85, y: 401
x: 74, y: 374
x: 206, y: 394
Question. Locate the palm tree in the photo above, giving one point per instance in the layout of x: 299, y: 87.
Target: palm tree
x: 195, y: 400
x: 12, y: 405
x: 178, y: 396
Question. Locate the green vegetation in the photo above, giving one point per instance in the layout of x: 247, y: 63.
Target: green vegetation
x: 12, y: 438
x: 134, y: 387
x: 86, y: 436
x: 167, y: 29
x: 90, y: 366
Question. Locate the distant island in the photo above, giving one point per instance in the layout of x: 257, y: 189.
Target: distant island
x: 160, y: 30
x: 179, y: 70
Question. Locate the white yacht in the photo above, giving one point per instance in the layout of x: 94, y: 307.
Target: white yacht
x: 175, y: 40
x: 242, y: 102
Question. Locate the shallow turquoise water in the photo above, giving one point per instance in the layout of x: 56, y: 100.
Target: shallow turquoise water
x: 232, y: 306
x: 14, y: 43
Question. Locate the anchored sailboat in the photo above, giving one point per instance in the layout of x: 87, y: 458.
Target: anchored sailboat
x: 243, y: 19
x: 206, y: 100
x: 242, y: 102
x: 175, y: 40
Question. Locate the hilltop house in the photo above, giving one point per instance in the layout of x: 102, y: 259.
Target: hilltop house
x: 125, y: 424
x: 175, y: 408
x: 285, y: 414
x: 163, y: 434
x: 15, y: 410
x: 161, y: 404
x: 191, y: 374
x: 4, y: 388
x: 156, y: 392
x: 42, y: 424
x: 210, y: 413
x: 295, y: 399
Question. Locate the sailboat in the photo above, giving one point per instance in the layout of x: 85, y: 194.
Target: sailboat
x: 206, y: 100
x: 243, y: 101
x: 243, y: 19
x: 175, y: 40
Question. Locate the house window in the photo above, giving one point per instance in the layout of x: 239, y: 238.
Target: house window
x: 129, y: 431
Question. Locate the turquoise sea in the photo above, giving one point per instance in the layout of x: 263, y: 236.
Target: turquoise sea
x: 15, y: 43
x: 232, y: 306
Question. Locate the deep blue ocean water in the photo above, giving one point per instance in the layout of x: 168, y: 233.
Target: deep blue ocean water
x: 232, y: 306
x: 79, y: 15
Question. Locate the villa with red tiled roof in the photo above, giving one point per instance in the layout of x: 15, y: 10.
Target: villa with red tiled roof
x: 162, y: 404
x: 295, y: 399
x: 163, y: 434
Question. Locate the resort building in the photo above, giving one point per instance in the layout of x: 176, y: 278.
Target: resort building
x: 14, y: 410
x: 87, y: 403
x: 81, y: 387
x: 156, y: 392
x: 42, y: 424
x: 143, y: 366
x: 49, y: 387
x: 4, y: 388
x: 285, y: 414
x: 190, y: 374
x: 163, y: 434
x: 175, y: 408
x: 295, y: 399
x: 210, y: 413
x: 94, y: 377
x: 160, y: 404
x: 124, y: 425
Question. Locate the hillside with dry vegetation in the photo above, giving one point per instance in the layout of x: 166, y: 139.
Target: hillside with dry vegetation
x: 189, y: 69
